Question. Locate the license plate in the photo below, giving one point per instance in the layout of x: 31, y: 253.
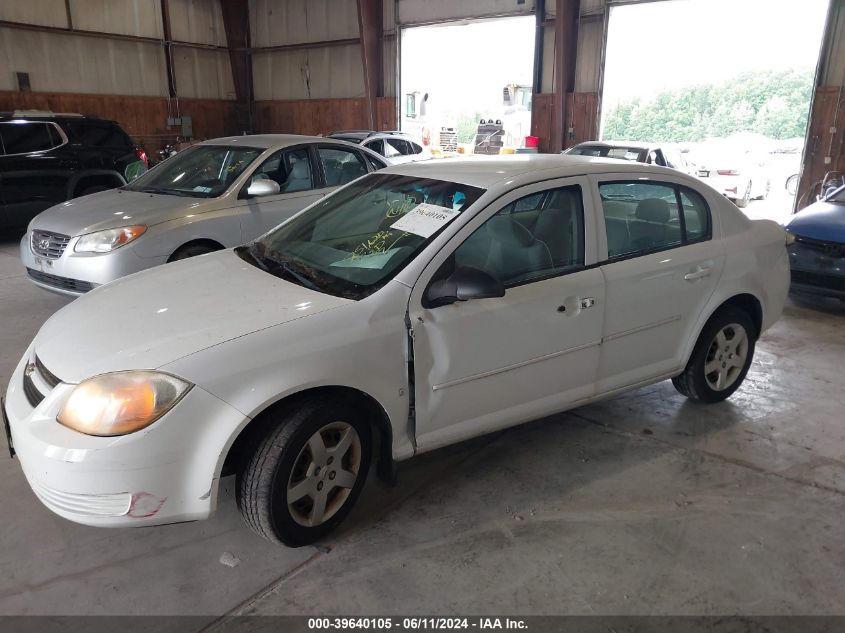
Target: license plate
x: 704, y: 174
x: 6, y: 426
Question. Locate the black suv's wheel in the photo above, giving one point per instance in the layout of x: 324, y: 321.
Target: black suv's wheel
x: 721, y: 357
x: 303, y: 477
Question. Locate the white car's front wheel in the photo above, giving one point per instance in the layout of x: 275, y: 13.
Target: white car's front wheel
x: 303, y: 477
x: 721, y: 358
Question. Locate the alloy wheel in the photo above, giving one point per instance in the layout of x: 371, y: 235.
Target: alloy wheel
x: 324, y: 473
x: 726, y: 357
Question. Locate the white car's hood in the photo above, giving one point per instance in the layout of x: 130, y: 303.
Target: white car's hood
x: 154, y: 317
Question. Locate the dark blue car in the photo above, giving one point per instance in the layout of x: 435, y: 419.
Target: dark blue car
x: 817, y: 256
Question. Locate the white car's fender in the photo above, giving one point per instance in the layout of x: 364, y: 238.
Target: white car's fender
x: 358, y: 346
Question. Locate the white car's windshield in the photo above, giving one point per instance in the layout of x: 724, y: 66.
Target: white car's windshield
x: 202, y: 171
x: 351, y: 243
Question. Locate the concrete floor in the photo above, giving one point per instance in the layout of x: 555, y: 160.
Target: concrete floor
x: 643, y: 504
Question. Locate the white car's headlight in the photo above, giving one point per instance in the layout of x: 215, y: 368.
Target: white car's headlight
x: 108, y: 240
x: 121, y: 403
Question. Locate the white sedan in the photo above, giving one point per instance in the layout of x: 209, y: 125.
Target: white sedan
x: 414, y: 308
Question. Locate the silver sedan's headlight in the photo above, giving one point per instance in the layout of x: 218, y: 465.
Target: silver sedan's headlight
x: 122, y: 402
x: 108, y: 240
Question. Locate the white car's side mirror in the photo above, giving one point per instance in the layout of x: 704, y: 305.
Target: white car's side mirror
x: 263, y: 187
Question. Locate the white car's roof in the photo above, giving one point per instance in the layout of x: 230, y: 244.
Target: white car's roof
x: 266, y: 141
x: 486, y: 171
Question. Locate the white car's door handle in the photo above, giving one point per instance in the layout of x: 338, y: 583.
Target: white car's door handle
x: 700, y: 273
x: 587, y: 302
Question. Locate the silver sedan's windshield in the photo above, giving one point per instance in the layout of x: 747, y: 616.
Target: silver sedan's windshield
x: 354, y: 241
x: 201, y: 171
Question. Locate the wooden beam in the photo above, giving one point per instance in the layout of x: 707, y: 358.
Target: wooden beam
x: 236, y: 24
x: 370, y: 28
x: 566, y: 50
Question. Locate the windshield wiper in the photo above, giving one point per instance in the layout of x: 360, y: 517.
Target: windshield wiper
x: 247, y: 250
x: 302, y: 279
x: 166, y: 192
x: 272, y: 265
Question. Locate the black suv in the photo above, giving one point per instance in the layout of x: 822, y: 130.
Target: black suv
x: 48, y: 158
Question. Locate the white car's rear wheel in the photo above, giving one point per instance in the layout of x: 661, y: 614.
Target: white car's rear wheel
x: 303, y: 477
x: 721, y: 358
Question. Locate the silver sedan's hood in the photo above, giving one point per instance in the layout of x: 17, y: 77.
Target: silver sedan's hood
x: 116, y: 208
x: 157, y: 316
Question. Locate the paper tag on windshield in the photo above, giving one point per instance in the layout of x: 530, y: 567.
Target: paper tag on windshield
x: 425, y: 219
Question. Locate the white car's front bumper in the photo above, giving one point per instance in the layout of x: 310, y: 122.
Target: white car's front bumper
x: 165, y: 473
x: 73, y: 274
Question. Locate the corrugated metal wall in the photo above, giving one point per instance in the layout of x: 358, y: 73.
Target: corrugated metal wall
x: 70, y: 63
x: 65, y: 62
x: 318, y: 73
x: 329, y: 71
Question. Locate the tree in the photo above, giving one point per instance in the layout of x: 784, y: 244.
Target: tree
x: 774, y: 103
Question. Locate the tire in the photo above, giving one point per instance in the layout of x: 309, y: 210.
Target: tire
x: 301, y: 456
x: 191, y: 250
x: 729, y: 366
x: 745, y: 199
x: 95, y: 189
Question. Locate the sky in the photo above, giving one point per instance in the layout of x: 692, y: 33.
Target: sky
x: 664, y: 45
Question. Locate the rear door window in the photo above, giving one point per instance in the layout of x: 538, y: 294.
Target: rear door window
x: 644, y: 217
x: 29, y: 136
x: 400, y: 145
x: 375, y: 146
x: 390, y: 149
x: 341, y: 165
x: 98, y: 134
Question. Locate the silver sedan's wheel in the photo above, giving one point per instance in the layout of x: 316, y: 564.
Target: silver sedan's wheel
x: 726, y: 357
x: 324, y: 473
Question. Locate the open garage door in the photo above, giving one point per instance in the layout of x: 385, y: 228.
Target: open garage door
x: 454, y: 75
x: 725, y: 85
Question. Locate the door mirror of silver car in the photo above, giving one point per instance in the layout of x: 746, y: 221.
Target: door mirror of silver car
x: 263, y: 187
x: 462, y: 285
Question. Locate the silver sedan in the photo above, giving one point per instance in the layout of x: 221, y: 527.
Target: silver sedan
x: 214, y: 195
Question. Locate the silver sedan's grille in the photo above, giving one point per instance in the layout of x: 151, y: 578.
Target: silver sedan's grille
x: 49, y: 245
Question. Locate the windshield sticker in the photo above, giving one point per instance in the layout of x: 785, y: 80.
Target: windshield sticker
x: 425, y: 219
x: 202, y: 189
x: 375, y: 260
